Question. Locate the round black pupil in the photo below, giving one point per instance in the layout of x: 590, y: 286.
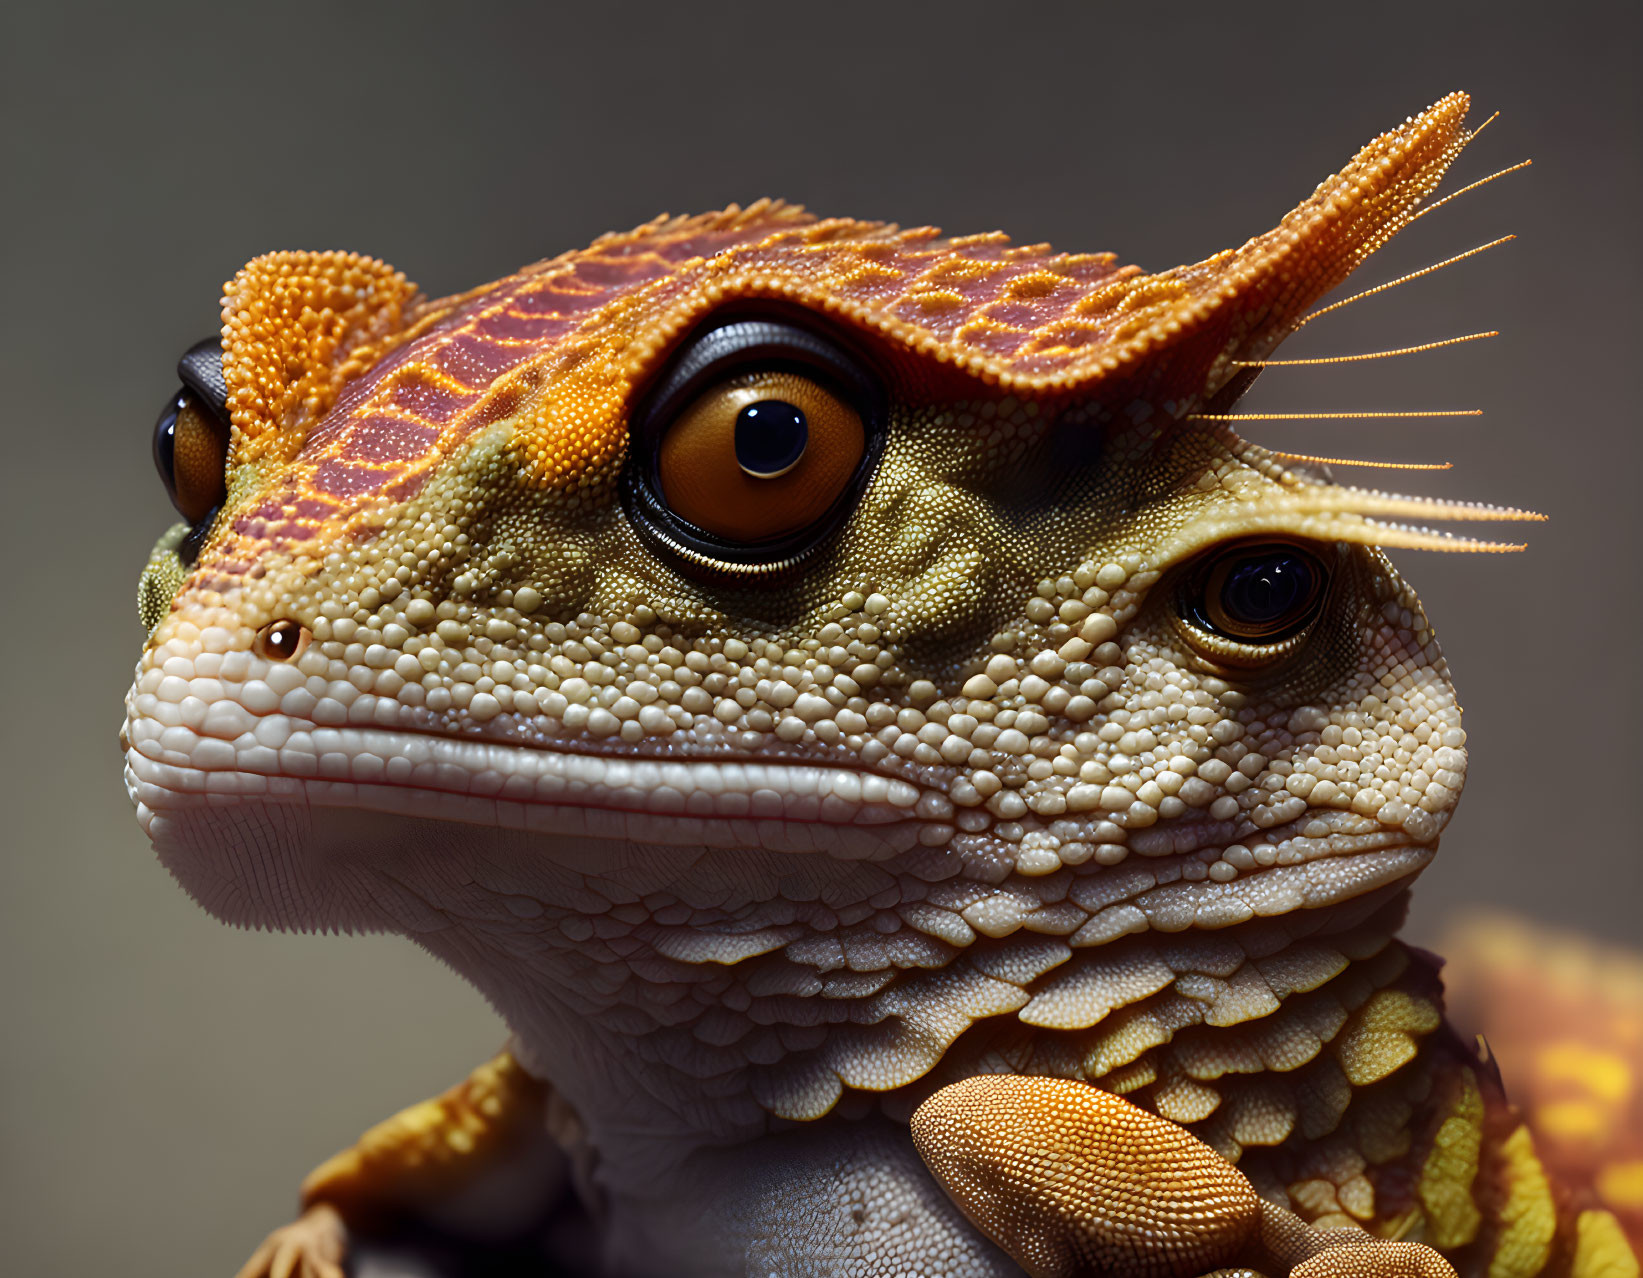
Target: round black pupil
x: 770, y: 437
x: 1266, y: 589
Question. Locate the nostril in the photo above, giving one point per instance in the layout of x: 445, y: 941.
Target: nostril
x: 281, y: 641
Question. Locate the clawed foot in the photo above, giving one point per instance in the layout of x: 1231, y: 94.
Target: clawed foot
x: 312, y: 1246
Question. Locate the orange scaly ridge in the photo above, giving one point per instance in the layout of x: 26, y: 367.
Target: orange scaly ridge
x: 561, y: 346
x: 296, y: 327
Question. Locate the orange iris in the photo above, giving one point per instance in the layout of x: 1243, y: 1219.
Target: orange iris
x: 709, y: 483
x: 199, y: 449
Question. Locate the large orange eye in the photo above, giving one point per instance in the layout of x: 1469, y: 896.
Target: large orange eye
x: 191, y: 442
x: 190, y: 445
x: 760, y: 455
x: 752, y: 447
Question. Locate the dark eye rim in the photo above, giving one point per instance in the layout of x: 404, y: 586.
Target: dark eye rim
x: 201, y: 373
x: 1194, y: 615
x: 200, y: 370
x: 723, y: 347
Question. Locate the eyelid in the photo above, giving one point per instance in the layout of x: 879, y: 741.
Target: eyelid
x: 200, y: 370
x: 770, y: 345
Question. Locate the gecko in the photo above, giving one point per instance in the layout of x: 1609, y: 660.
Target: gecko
x: 925, y: 795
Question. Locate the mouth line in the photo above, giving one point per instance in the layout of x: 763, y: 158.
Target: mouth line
x: 781, y: 804
x: 604, y: 749
x: 1162, y: 893
x: 314, y: 763
x: 585, y: 749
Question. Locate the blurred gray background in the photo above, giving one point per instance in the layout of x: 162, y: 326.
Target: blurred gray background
x: 165, y: 1080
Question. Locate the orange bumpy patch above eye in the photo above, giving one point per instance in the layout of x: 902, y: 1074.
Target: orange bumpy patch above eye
x: 199, y: 453
x: 706, y: 482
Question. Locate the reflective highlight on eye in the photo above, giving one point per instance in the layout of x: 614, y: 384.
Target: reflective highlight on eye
x: 771, y: 437
x: 1262, y: 593
x: 281, y: 641
x: 759, y: 456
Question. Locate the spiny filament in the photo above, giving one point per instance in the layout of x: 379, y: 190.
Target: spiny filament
x: 1402, y: 279
x: 1353, y: 359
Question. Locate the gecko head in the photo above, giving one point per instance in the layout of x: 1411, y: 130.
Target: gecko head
x: 757, y: 536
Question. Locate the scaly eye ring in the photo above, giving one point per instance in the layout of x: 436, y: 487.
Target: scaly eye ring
x: 752, y: 448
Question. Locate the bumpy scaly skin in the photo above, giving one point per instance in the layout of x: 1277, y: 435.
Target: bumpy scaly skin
x: 1017, y: 1153
x: 752, y: 869
x: 1073, y: 1181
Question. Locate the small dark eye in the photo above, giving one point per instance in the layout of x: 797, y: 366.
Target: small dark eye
x: 1261, y: 594
x: 281, y: 641
x: 770, y: 438
x: 191, y: 438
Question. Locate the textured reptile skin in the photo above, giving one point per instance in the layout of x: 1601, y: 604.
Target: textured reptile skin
x: 754, y: 867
